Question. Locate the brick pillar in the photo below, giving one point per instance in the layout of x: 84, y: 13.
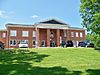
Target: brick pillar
x: 58, y: 37
x: 8, y: 38
x: 37, y: 37
x: 48, y: 37
x: 30, y: 38
x: 68, y: 34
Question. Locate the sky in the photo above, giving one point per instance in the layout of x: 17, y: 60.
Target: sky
x: 32, y: 11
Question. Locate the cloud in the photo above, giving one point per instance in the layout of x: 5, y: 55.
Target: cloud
x: 35, y: 16
x: 3, y: 14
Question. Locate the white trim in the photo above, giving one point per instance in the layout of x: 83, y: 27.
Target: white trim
x: 34, y: 33
x: 52, y: 26
x: 25, y: 33
x: 13, y: 32
x: 81, y: 34
x: 65, y: 35
x: 77, y: 34
x: 3, y: 35
x: 72, y: 34
x: 3, y: 30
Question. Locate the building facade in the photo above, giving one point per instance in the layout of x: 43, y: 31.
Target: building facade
x: 41, y: 34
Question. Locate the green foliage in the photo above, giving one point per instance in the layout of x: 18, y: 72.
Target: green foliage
x: 98, y: 42
x: 93, y: 38
x: 90, y: 14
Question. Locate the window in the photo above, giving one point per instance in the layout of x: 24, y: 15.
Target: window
x: 51, y: 34
x: 72, y: 34
x: 34, y: 33
x: 3, y: 35
x: 43, y: 43
x: 81, y: 35
x: 34, y: 43
x: 76, y: 34
x: 13, y: 33
x: 25, y: 33
x: 12, y: 42
x: 64, y: 33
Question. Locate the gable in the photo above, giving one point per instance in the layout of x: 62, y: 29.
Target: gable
x: 53, y: 21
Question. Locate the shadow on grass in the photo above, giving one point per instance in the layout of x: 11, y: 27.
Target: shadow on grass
x: 25, y: 68
x: 97, y: 48
x: 9, y: 56
x: 93, y: 71
x: 17, y: 63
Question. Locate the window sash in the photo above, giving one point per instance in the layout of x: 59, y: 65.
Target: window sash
x: 81, y: 35
x: 72, y: 34
x: 3, y: 35
x: 13, y: 32
x: 76, y: 34
x: 25, y: 33
x: 34, y: 33
x: 65, y: 33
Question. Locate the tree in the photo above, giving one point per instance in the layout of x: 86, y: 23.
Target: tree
x: 90, y: 14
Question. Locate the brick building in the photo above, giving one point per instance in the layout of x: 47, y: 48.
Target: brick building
x: 41, y: 34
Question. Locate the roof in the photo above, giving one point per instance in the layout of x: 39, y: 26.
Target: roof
x: 50, y: 23
x: 53, y: 21
x: 76, y: 28
x: 3, y: 29
x: 18, y: 25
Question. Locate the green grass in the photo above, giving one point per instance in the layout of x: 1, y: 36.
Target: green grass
x: 50, y: 61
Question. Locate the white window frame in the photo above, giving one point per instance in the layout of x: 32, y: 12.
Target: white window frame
x: 25, y: 33
x: 51, y: 34
x: 13, y: 33
x: 72, y: 34
x: 34, y: 33
x: 13, y: 43
x: 65, y: 33
x: 3, y: 35
x: 81, y: 34
x: 76, y: 34
x: 35, y: 42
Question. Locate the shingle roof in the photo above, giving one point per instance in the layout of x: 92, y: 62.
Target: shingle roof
x: 53, y: 21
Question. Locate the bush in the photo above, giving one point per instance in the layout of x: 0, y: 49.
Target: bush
x: 98, y: 42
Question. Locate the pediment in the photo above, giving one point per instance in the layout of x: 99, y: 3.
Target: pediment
x: 53, y: 21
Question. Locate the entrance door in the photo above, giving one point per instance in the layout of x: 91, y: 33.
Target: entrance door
x: 52, y: 43
x: 43, y: 43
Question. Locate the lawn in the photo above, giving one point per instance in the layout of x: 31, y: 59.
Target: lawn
x: 50, y: 61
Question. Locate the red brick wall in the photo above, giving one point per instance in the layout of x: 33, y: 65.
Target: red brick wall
x: 4, y: 40
x: 76, y: 38
x: 43, y: 34
x: 19, y: 37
